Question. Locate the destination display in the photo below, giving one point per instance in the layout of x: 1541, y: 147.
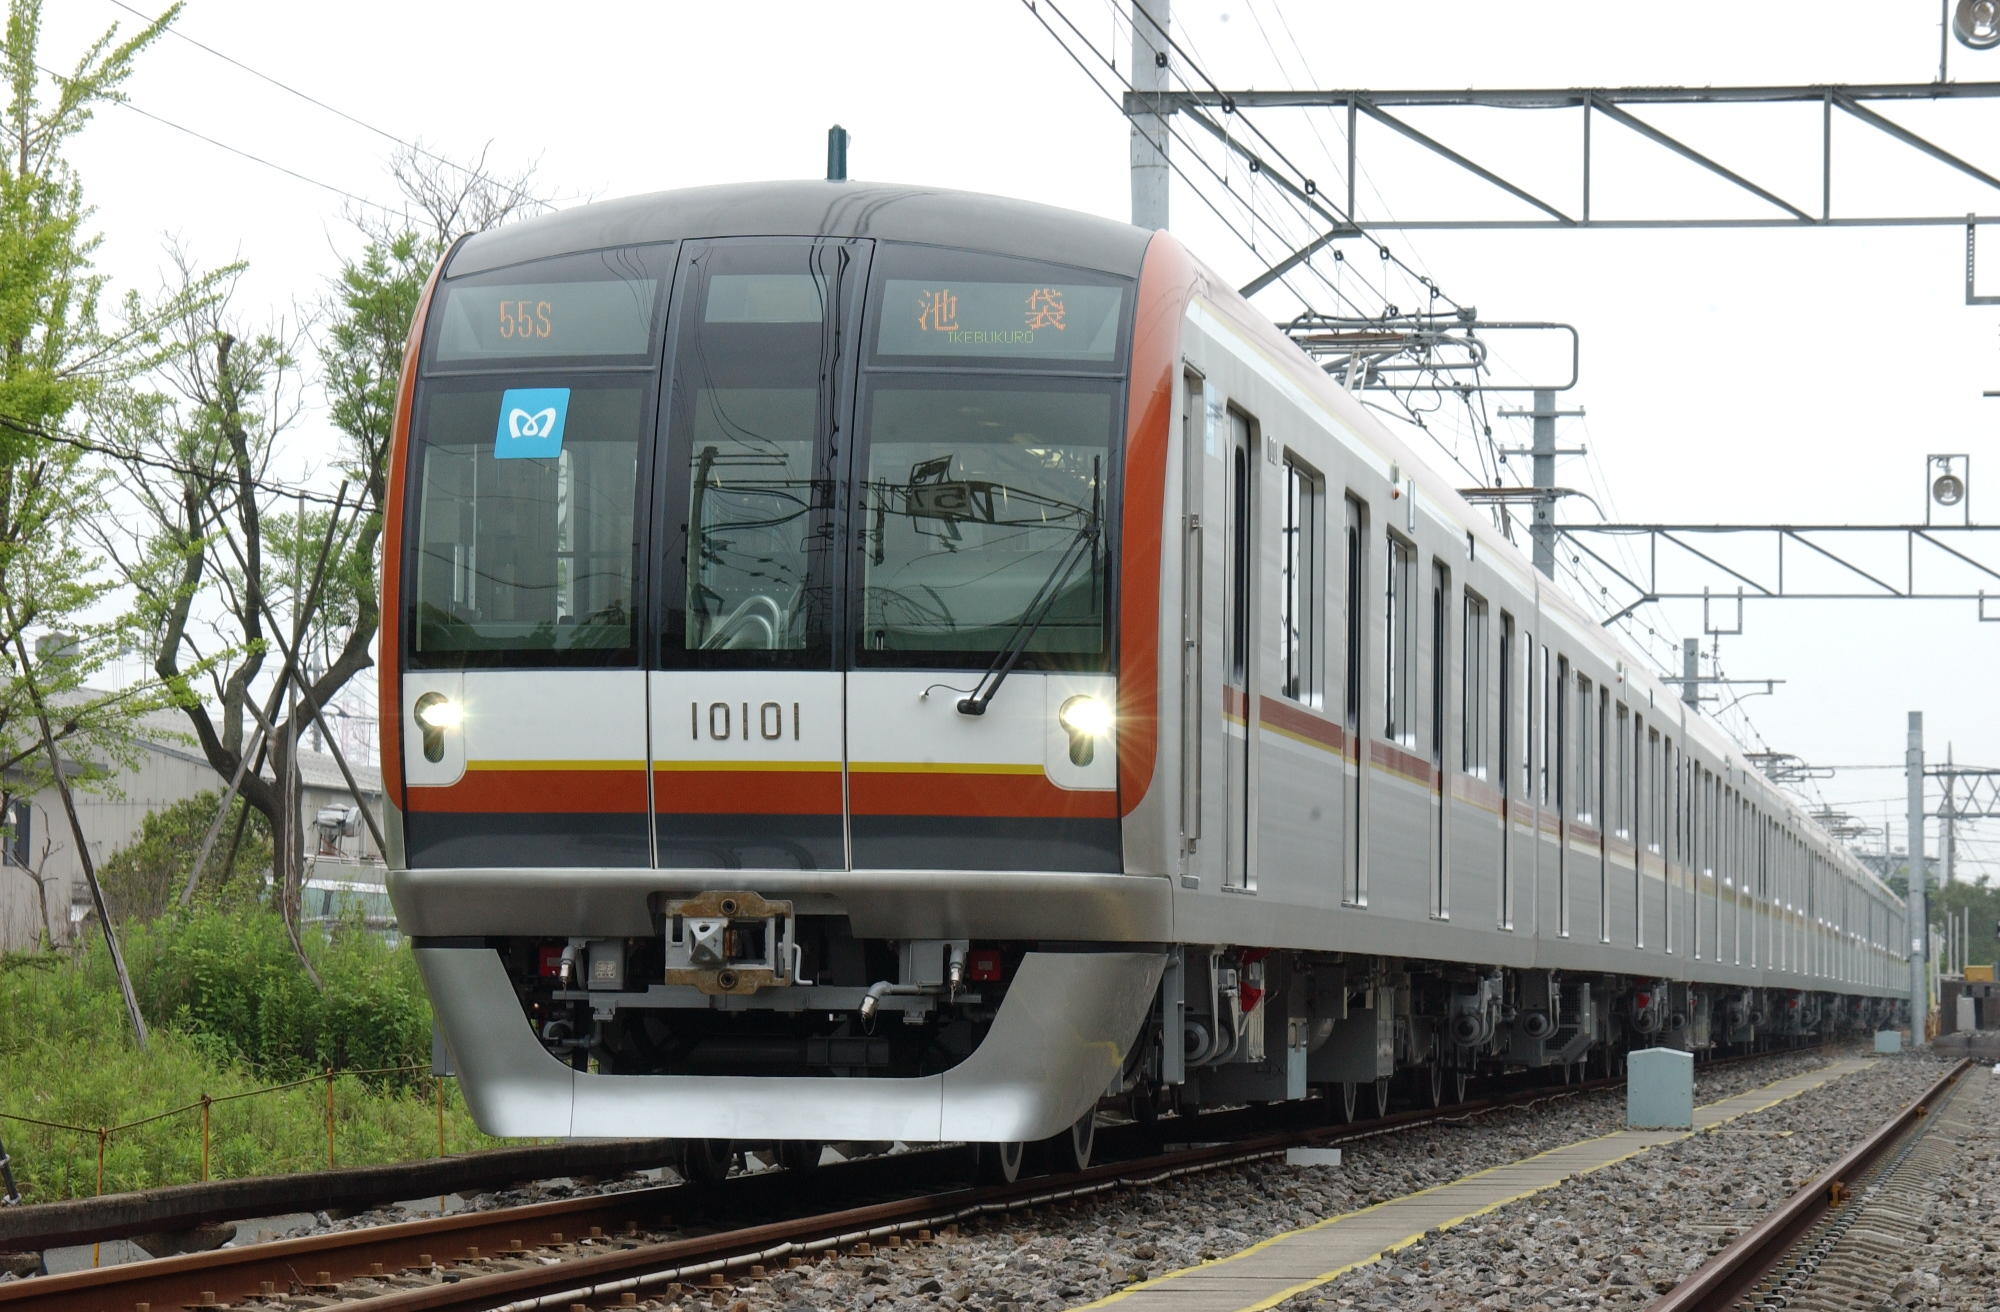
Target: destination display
x: 1043, y: 321
x: 501, y: 321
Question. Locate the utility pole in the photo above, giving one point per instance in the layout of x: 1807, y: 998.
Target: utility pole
x: 1544, y: 450
x: 1947, y: 828
x: 1150, y: 19
x: 1919, y: 922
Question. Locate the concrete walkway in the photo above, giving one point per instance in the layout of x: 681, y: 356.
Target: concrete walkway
x: 1267, y: 1273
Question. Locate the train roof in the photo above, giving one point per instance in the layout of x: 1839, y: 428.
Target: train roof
x: 842, y: 209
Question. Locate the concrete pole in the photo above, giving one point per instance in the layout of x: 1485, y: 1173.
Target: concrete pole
x: 1544, y: 452
x: 1947, y: 828
x: 1919, y: 916
x: 1690, y: 671
x: 1150, y: 20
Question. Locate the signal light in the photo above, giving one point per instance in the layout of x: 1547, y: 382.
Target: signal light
x: 982, y: 965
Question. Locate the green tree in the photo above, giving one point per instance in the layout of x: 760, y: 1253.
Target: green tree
x: 143, y: 878
x: 221, y: 560
x: 57, y: 358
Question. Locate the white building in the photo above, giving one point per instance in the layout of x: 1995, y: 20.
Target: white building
x: 170, y: 769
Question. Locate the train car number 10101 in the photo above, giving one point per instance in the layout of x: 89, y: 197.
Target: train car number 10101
x: 721, y: 721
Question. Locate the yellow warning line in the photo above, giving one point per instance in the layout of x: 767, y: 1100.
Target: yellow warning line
x: 1325, y: 1277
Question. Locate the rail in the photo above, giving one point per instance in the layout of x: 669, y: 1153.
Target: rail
x: 451, y: 1250
x: 1731, y: 1273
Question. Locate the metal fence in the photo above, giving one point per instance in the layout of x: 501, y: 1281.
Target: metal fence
x: 103, y: 1134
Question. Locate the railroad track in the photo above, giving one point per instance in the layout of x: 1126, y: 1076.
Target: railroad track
x: 1830, y: 1244
x: 596, y: 1249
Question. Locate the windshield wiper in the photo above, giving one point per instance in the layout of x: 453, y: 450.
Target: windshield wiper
x: 1044, y: 600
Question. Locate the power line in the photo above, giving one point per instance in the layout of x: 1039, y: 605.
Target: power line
x: 259, y: 159
x: 518, y: 193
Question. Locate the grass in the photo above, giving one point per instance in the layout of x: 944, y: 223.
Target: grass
x: 230, y: 1012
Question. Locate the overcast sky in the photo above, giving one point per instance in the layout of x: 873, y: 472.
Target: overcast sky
x: 1766, y: 377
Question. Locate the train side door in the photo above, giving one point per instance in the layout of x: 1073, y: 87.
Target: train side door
x: 1201, y: 834
x: 747, y: 706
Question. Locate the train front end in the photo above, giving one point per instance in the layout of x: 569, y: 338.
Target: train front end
x: 754, y: 698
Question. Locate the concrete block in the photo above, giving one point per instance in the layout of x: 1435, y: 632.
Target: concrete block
x: 1312, y: 1156
x: 1659, y: 1089
x: 1888, y: 1040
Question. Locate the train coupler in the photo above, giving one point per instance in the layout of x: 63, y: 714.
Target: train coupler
x: 732, y: 942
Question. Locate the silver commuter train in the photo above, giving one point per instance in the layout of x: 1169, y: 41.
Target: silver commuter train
x: 876, y: 663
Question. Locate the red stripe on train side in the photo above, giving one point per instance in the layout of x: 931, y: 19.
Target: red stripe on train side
x: 501, y: 792
x: 1407, y: 763
x: 1165, y: 281
x: 1303, y: 723
x: 389, y: 686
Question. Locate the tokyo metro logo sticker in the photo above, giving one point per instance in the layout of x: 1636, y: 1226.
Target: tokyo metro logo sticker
x: 531, y: 423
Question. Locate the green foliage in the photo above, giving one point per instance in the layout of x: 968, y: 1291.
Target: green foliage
x: 143, y: 878
x: 225, y: 974
x: 232, y: 1013
x: 56, y: 361
x: 1980, y: 901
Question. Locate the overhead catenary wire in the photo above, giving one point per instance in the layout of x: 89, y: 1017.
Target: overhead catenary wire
x: 517, y: 192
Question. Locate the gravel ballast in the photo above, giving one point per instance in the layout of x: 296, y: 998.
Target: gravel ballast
x: 1609, y: 1239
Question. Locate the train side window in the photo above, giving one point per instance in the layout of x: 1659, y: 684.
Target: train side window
x: 1304, y: 619
x: 1473, y: 744
x: 1559, y: 702
x: 1546, y: 736
x: 1621, y: 775
x: 1641, y: 779
x: 1527, y: 735
x: 1399, y: 616
x: 1586, y: 752
x: 1656, y: 795
x: 1606, y: 786
x: 1356, y: 627
x: 1242, y: 474
x: 1440, y: 646
x: 1508, y: 730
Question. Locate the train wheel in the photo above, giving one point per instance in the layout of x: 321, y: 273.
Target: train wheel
x: 1070, y: 1150
x: 1460, y: 1080
x: 707, y: 1161
x: 1437, y: 1084
x: 1382, y: 1097
x: 998, y: 1163
x: 1344, y: 1099
x: 799, y: 1155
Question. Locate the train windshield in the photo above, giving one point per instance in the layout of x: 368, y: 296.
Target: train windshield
x: 984, y: 507
x: 529, y: 444
x: 986, y: 494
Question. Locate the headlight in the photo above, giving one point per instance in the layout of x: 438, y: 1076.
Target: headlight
x: 437, y: 711
x: 1086, y: 715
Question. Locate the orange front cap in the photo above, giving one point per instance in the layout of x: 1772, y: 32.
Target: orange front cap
x: 389, y: 687
x: 1165, y: 283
